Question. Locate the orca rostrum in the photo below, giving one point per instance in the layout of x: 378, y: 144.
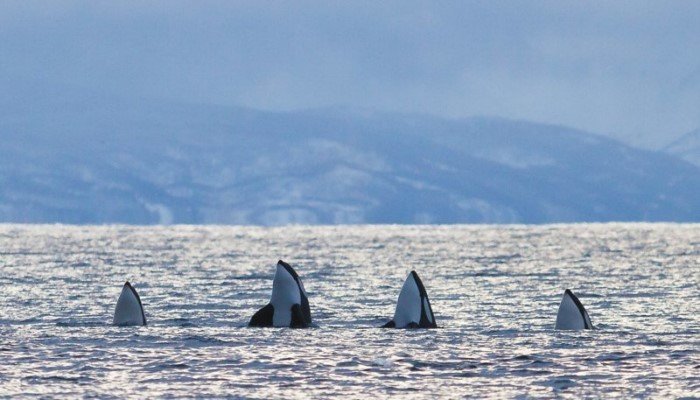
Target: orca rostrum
x: 288, y: 306
x: 572, y: 315
x: 129, y: 310
x: 413, y: 306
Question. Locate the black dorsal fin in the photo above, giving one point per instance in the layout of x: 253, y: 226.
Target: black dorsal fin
x: 390, y: 324
x: 298, y: 319
x: 262, y: 318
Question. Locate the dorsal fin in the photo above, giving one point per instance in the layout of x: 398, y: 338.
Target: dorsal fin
x: 262, y: 318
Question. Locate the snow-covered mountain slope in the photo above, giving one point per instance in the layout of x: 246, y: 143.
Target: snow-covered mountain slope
x: 687, y: 147
x: 88, y: 158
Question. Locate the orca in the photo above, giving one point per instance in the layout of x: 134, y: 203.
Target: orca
x: 129, y: 310
x: 572, y: 315
x: 288, y: 306
x: 413, y: 307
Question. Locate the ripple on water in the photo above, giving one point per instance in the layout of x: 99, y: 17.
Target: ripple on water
x: 494, y: 290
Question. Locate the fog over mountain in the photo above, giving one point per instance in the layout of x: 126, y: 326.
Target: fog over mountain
x: 78, y: 156
x: 687, y: 147
x: 273, y: 113
x: 626, y: 69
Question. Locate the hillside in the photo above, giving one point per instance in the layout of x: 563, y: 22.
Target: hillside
x: 687, y: 147
x: 77, y: 157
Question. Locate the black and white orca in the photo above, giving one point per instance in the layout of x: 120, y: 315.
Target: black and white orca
x: 572, y: 315
x: 413, y: 307
x: 289, y: 305
x: 129, y: 310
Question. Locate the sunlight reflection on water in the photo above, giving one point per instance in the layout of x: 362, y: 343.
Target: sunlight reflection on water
x: 494, y: 290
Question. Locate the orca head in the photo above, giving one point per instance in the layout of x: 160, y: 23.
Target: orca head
x: 288, y: 306
x: 288, y: 290
x: 572, y: 315
x: 288, y: 268
x: 129, y: 310
x: 413, y: 306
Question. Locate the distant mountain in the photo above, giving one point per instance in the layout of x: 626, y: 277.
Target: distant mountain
x: 80, y: 157
x: 687, y: 147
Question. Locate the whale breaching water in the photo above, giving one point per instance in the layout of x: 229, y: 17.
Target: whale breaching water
x: 129, y: 310
x: 572, y: 315
x: 413, y: 307
x: 289, y: 306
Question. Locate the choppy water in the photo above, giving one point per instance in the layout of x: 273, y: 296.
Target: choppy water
x: 494, y: 290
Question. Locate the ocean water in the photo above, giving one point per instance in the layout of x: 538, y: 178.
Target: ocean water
x: 494, y: 290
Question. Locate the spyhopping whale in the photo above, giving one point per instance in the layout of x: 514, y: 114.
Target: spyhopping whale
x: 572, y: 315
x: 129, y: 310
x: 289, y: 305
x: 413, y: 307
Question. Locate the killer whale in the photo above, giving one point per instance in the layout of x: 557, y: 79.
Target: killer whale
x: 129, y: 310
x: 572, y: 315
x: 288, y: 306
x: 413, y: 306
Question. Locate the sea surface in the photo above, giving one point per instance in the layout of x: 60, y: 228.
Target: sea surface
x: 494, y: 290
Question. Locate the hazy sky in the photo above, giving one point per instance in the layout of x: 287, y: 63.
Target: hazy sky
x: 629, y: 68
